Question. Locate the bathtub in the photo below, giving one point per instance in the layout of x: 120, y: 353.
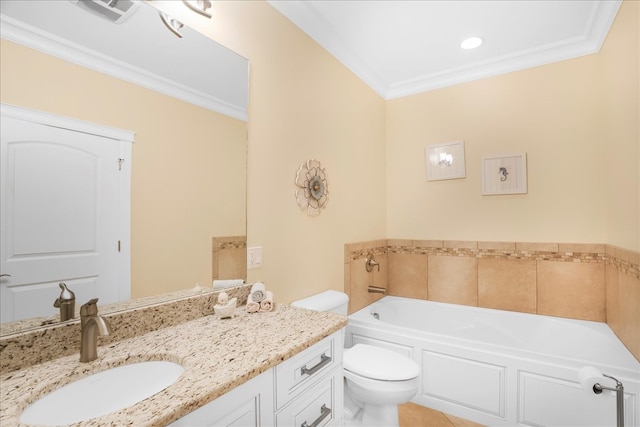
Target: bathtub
x: 503, y: 368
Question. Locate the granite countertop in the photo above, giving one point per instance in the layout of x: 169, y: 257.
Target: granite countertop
x: 217, y: 356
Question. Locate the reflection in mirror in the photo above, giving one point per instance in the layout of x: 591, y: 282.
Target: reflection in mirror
x: 184, y: 98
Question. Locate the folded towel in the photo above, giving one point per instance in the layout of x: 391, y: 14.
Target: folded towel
x: 267, y: 303
x: 252, y: 306
x: 257, y: 292
x: 227, y: 283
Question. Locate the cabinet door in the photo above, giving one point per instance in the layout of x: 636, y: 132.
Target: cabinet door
x: 248, y: 405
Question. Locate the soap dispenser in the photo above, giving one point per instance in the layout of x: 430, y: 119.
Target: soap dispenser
x: 66, y: 302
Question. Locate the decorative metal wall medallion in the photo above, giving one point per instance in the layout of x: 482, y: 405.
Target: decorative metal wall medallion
x: 313, y: 193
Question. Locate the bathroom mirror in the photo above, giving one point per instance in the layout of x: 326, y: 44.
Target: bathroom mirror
x: 188, y: 187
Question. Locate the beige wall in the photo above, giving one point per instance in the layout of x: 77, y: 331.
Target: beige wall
x: 303, y: 104
x: 577, y: 120
x: 620, y: 62
x: 176, y: 207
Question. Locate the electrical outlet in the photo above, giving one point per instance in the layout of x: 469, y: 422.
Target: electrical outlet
x: 254, y: 257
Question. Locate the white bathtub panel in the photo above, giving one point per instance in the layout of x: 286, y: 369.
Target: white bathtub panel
x: 404, y: 350
x: 464, y: 333
x: 470, y: 383
x: 550, y: 401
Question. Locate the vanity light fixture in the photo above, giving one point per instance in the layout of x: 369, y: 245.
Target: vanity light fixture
x: 471, y: 42
x: 199, y: 6
x: 172, y: 24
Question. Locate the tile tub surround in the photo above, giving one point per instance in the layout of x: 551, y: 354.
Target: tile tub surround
x: 127, y: 319
x: 218, y: 355
x: 582, y: 281
x: 229, y: 257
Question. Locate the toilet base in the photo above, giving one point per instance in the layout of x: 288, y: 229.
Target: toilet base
x: 374, y: 416
x: 380, y: 415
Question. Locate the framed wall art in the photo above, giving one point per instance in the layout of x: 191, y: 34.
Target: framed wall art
x: 505, y: 174
x: 445, y: 161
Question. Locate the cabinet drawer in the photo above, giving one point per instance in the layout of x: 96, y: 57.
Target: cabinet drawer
x: 320, y: 406
x: 295, y: 374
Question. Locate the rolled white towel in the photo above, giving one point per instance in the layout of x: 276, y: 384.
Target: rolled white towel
x: 257, y: 292
x: 267, y: 303
x: 227, y: 283
x: 252, y: 306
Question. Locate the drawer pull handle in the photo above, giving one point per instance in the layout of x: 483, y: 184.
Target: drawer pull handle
x: 324, y: 413
x: 324, y: 360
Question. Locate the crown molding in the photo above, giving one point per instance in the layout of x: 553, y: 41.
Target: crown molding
x: 55, y: 120
x: 306, y: 16
x: 45, y: 42
x: 588, y: 43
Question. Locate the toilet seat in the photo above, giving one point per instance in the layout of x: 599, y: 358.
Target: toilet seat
x: 379, y: 363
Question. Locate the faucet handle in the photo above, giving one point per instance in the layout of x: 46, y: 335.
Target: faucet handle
x: 66, y: 302
x: 370, y: 263
x: 65, y: 295
x: 90, y: 308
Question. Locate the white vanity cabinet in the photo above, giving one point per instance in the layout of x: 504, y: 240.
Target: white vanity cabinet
x: 249, y: 404
x: 309, y: 391
x: 303, y: 391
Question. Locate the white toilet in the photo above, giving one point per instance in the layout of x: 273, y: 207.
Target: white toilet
x: 376, y: 379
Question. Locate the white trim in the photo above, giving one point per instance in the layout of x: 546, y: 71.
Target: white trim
x: 305, y: 15
x: 63, y: 122
x: 124, y: 224
x: 589, y: 43
x: 43, y: 41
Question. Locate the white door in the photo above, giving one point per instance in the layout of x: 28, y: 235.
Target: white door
x: 60, y: 209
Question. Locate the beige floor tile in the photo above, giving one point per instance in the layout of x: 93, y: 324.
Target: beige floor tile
x: 412, y: 415
x: 460, y: 422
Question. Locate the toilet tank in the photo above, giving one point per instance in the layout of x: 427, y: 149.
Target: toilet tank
x: 334, y: 301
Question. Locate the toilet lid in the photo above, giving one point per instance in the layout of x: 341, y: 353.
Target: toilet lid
x: 379, y: 363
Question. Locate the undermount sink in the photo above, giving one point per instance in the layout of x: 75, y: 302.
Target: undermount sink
x: 102, y: 393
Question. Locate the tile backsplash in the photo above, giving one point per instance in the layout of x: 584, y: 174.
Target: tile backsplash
x: 581, y: 281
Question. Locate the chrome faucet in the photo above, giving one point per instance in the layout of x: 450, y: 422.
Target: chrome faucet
x: 91, y: 325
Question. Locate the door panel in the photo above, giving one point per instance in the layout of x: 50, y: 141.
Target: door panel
x: 60, y: 216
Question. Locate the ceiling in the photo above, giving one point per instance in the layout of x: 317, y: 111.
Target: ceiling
x: 400, y: 48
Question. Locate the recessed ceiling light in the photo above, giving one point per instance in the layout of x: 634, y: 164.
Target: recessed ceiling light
x: 471, y: 42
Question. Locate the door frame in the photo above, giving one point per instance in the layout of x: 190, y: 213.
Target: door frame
x: 126, y: 139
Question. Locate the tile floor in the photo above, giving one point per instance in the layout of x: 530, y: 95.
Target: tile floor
x: 412, y: 415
